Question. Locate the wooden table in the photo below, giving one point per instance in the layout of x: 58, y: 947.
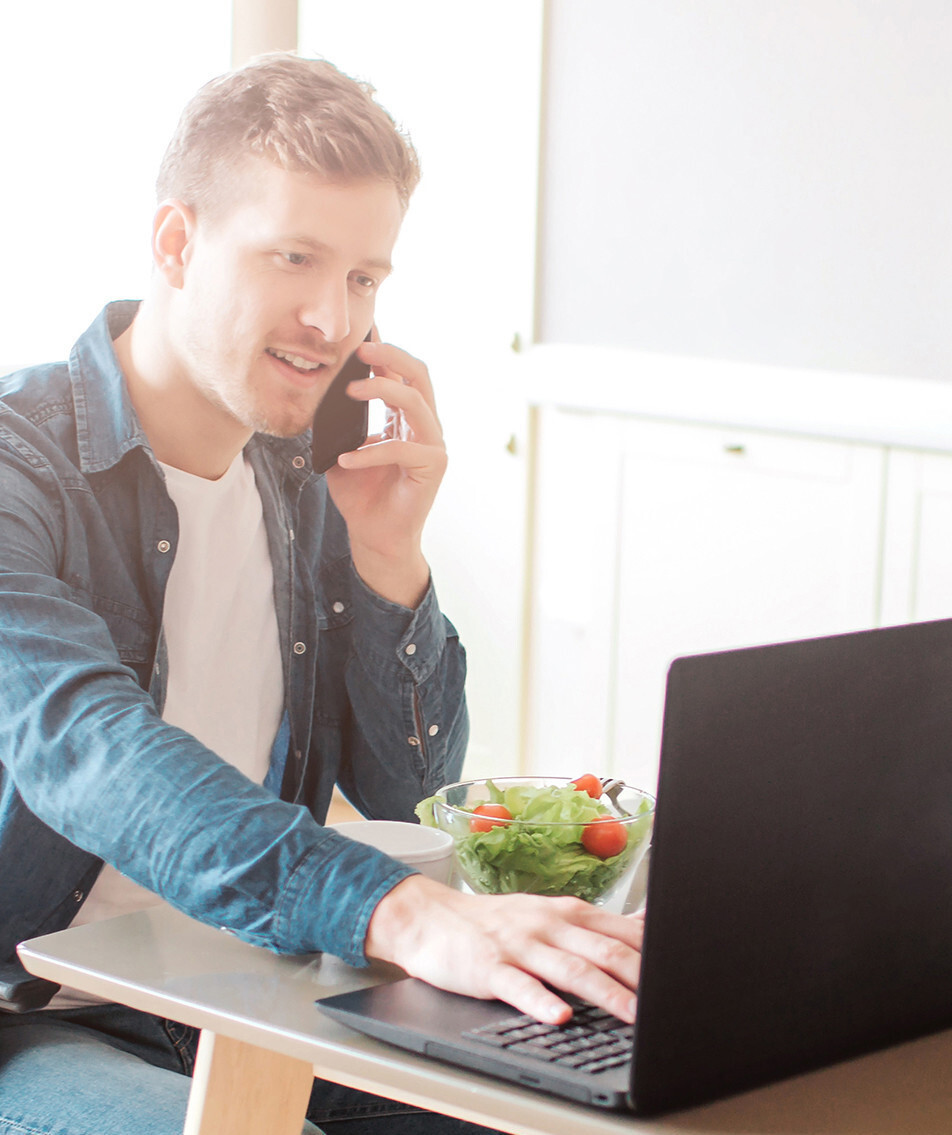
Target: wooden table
x: 263, y: 1041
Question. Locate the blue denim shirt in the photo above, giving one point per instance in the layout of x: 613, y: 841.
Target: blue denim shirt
x: 88, y: 769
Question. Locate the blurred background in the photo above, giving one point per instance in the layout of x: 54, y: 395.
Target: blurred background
x: 679, y: 270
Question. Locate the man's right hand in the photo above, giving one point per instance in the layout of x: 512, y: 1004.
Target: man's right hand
x: 507, y: 946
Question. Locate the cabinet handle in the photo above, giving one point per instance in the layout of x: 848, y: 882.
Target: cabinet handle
x: 736, y: 450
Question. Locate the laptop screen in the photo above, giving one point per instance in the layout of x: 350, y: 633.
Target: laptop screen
x: 799, y: 896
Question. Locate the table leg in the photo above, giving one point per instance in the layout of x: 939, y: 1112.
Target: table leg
x: 245, y: 1090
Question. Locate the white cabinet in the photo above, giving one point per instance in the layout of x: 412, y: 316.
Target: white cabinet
x: 917, y: 575
x: 653, y: 539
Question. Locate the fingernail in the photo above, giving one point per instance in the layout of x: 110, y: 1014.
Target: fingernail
x: 555, y: 1012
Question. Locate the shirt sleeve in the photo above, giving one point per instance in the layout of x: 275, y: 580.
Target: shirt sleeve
x: 405, y: 679
x: 83, y: 748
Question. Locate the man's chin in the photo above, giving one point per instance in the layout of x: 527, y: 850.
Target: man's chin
x: 285, y: 431
x: 280, y: 425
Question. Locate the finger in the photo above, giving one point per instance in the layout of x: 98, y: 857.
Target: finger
x: 576, y: 913
x: 611, y: 989
x: 410, y: 402
x: 416, y: 459
x: 610, y: 955
x: 638, y: 927
x: 392, y: 362
x: 527, y: 994
x: 533, y: 992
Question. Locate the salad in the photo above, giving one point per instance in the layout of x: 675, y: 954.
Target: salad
x: 549, y: 840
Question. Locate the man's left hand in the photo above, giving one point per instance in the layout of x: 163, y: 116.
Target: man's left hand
x: 385, y: 489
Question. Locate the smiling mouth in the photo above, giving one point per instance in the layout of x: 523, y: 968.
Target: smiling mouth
x: 301, y: 365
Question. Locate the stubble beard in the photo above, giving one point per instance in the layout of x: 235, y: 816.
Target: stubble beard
x: 246, y: 404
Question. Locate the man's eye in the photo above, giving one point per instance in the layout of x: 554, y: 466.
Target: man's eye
x: 365, y: 281
x: 298, y: 259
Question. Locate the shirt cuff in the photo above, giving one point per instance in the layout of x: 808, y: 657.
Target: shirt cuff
x: 332, y: 895
x: 402, y: 640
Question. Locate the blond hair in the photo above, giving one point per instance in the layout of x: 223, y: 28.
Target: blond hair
x: 302, y: 114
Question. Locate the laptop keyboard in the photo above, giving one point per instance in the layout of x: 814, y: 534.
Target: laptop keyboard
x: 591, y: 1041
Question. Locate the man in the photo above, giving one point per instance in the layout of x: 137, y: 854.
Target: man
x: 199, y: 636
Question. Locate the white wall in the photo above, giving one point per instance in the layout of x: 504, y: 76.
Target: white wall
x: 465, y: 81
x: 764, y: 180
x: 90, y: 94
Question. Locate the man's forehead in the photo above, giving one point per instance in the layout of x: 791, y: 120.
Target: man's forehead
x: 273, y: 202
x: 257, y: 180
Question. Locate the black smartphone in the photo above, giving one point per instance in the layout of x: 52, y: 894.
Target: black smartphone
x: 340, y: 423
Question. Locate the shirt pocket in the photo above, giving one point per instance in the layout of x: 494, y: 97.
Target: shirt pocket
x: 129, y: 627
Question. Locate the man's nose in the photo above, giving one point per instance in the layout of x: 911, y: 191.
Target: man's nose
x: 327, y: 309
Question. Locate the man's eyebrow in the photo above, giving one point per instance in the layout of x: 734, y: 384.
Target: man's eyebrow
x: 382, y: 264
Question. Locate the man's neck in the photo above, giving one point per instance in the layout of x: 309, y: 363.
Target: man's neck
x: 185, y: 430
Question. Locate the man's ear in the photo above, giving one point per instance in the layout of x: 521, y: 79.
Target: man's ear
x: 173, y: 230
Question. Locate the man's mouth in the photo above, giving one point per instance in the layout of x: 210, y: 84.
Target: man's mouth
x: 305, y: 366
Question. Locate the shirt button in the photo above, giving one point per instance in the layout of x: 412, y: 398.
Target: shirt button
x: 163, y: 546
x: 290, y: 533
x: 413, y: 741
x: 298, y: 462
x: 338, y: 607
x: 297, y: 754
x: 299, y: 648
x: 411, y: 649
x: 433, y: 730
x: 77, y: 896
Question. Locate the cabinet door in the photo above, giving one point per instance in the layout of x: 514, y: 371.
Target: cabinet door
x: 689, y: 539
x: 573, y: 592
x: 917, y: 571
x: 731, y: 539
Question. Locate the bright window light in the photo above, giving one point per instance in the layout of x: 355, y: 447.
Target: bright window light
x: 91, y: 93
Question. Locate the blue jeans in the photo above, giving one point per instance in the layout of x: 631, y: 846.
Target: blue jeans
x: 110, y: 1070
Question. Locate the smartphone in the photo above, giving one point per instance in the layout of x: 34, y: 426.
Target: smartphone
x: 340, y: 423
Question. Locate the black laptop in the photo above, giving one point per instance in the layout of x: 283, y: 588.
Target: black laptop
x: 799, y: 906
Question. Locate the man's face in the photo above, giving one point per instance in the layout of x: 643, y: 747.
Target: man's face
x: 278, y: 291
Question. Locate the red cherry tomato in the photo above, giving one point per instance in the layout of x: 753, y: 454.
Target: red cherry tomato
x: 589, y: 783
x: 490, y: 816
x: 604, y: 837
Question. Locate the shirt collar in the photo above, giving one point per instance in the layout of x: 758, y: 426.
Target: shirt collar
x: 107, y: 427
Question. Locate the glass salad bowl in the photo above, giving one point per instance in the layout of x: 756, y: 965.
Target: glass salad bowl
x: 545, y: 835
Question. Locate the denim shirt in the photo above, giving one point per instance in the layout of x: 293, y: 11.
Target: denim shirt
x: 89, y: 772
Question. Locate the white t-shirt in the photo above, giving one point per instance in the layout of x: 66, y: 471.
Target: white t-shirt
x: 225, y: 684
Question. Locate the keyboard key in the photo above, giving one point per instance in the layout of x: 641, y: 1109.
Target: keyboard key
x: 592, y: 1041
x: 604, y: 1064
x: 523, y: 1034
x: 508, y: 1025
x: 599, y: 1053
x: 575, y: 1059
x: 554, y: 1038
x: 527, y: 1048
x: 566, y: 1048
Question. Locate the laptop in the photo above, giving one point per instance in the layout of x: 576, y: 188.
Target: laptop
x: 799, y: 901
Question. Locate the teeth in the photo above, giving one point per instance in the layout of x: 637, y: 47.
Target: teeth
x: 294, y: 360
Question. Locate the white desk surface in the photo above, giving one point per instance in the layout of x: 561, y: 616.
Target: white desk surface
x: 162, y: 962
